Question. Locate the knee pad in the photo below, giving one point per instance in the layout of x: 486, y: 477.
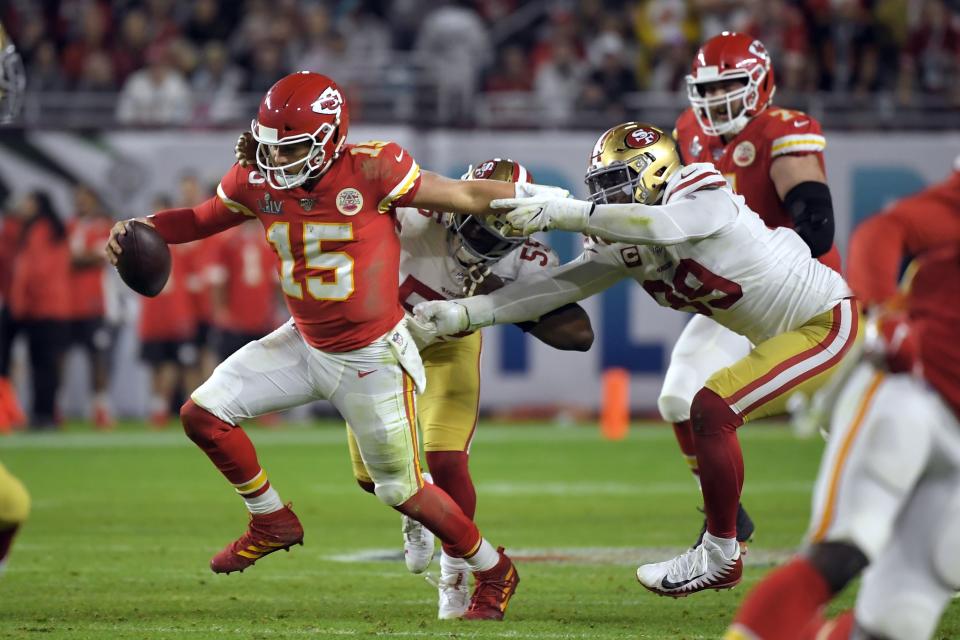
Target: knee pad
x: 673, y: 408
x: 837, y: 562
x: 710, y: 415
x: 394, y: 493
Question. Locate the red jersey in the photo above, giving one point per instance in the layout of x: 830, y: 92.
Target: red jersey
x: 245, y: 271
x: 745, y: 160
x: 337, y: 247
x: 9, y: 239
x: 40, y: 289
x: 910, y: 226
x: 203, y: 261
x: 935, y: 318
x: 169, y: 315
x: 85, y: 235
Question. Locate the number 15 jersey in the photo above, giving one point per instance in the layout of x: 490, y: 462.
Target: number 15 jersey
x: 337, y: 248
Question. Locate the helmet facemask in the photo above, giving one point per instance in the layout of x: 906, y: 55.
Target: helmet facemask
x: 737, y: 105
x: 481, y: 240
x: 622, y: 183
x: 310, y: 165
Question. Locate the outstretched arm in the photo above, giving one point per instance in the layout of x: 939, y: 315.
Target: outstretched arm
x: 472, y: 197
x: 526, y: 299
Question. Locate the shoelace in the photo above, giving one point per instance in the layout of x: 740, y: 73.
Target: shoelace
x: 488, y: 593
x: 411, y: 529
x: 685, y: 565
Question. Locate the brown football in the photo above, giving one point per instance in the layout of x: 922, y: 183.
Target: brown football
x: 144, y: 263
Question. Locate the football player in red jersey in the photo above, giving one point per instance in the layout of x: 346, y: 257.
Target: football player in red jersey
x: 328, y: 209
x: 771, y: 156
x: 888, y: 490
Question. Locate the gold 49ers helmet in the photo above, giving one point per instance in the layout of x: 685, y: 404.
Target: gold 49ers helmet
x: 13, y: 81
x: 485, y: 239
x: 631, y: 163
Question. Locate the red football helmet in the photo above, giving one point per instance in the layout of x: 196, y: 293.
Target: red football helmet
x: 301, y: 107
x: 730, y: 56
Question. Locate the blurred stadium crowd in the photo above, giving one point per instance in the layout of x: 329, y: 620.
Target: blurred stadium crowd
x: 59, y: 296
x: 206, y: 62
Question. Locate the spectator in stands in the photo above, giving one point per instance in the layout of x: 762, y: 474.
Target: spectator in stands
x: 90, y: 39
x: 511, y: 72
x: 557, y: 83
x: 665, y: 31
x: 156, y: 95
x: 87, y: 232
x: 267, y: 67
x: 167, y: 329
x: 97, y: 74
x: 454, y: 46
x: 604, y: 94
x: 930, y: 62
x: 130, y: 51
x: 216, y: 85
x: 44, y: 72
x: 781, y: 28
x: 207, y: 23
x: 40, y: 300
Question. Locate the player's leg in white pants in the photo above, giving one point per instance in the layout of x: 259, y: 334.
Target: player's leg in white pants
x: 368, y: 386
x: 702, y: 348
x: 906, y: 589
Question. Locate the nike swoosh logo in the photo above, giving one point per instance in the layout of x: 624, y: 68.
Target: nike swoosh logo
x: 400, y: 156
x: 800, y: 123
x: 666, y: 584
x: 364, y: 374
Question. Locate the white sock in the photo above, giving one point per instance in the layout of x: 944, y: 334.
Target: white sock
x: 727, y: 545
x: 485, y: 558
x: 450, y: 565
x: 266, y: 502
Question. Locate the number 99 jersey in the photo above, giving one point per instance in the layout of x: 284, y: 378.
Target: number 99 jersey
x: 336, y: 244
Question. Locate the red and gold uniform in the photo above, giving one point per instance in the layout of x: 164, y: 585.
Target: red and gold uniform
x: 167, y: 321
x: 336, y: 245
x: 85, y: 235
x: 745, y: 160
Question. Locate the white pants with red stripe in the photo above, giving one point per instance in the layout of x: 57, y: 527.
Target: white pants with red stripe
x: 703, y: 347
x: 373, y: 388
x: 889, y: 483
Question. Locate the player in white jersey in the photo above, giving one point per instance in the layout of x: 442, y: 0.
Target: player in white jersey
x: 701, y: 249
x: 443, y: 257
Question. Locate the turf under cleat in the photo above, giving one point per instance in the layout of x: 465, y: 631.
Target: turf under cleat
x: 744, y: 529
x: 703, y: 567
x: 454, y: 595
x: 417, y: 545
x: 266, y: 533
x: 493, y: 590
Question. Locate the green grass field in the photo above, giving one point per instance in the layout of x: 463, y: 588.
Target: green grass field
x: 124, y: 524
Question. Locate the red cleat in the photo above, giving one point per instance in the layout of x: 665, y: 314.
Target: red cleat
x: 493, y: 590
x: 103, y: 419
x: 266, y: 533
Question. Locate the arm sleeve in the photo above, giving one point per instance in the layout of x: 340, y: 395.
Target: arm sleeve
x: 531, y: 297
x: 689, y: 218
x: 811, y: 207
x: 177, y: 226
x: 400, y: 177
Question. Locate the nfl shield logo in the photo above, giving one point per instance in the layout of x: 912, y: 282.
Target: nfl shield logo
x: 306, y: 204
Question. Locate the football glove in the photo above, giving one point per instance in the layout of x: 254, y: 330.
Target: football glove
x: 442, y: 317
x: 536, y: 213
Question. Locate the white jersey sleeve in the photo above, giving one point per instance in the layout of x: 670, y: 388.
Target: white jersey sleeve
x: 539, y: 293
x: 529, y: 258
x: 697, y: 203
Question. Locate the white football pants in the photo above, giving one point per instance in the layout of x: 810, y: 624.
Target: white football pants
x: 373, y: 388
x: 889, y: 482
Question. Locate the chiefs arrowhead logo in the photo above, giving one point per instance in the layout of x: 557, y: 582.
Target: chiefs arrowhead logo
x: 329, y: 102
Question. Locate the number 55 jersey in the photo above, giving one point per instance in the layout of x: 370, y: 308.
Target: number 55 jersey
x: 337, y: 248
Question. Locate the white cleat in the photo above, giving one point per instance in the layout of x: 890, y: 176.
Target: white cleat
x: 454, y: 595
x: 417, y: 545
x: 703, y: 567
x: 417, y: 541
